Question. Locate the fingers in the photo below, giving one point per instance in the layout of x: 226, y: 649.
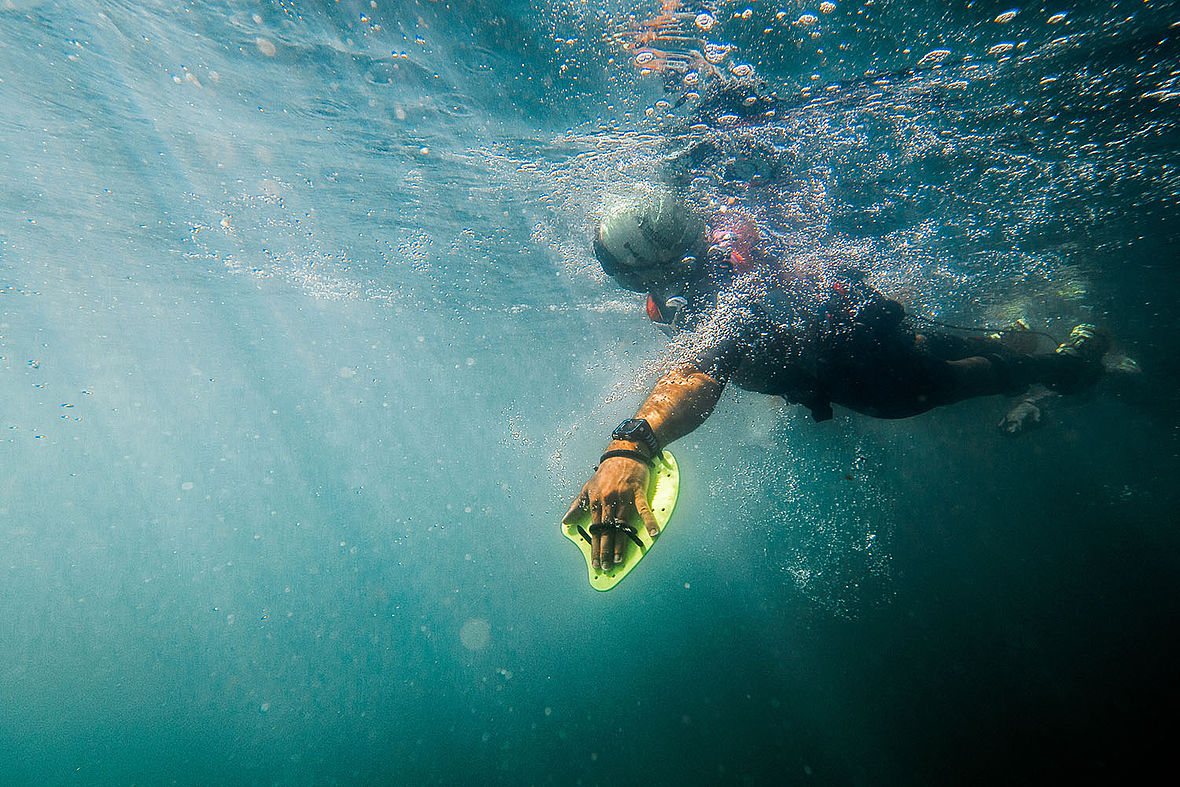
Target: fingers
x: 645, y: 513
x: 607, y: 551
x: 622, y: 513
x: 612, y: 497
x: 603, y: 548
x: 610, y: 515
x: 580, y: 504
x: 600, y: 538
x: 620, y: 545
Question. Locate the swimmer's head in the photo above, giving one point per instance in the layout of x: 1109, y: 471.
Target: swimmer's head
x: 650, y: 239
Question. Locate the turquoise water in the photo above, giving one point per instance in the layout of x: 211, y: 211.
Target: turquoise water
x: 303, y: 353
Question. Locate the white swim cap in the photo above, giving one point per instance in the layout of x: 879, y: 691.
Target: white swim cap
x: 649, y: 238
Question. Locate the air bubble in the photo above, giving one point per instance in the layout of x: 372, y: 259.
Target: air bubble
x: 475, y: 634
x: 934, y: 56
x: 715, y: 53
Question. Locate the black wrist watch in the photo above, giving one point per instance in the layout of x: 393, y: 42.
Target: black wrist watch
x: 637, y: 430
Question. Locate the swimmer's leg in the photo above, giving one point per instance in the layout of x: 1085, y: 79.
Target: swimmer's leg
x: 913, y: 380
x: 950, y: 347
x: 995, y: 374
x: 931, y: 382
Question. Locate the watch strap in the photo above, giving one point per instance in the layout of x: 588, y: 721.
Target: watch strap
x: 626, y: 453
x: 640, y: 432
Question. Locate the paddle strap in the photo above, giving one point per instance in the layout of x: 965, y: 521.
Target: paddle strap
x: 631, y: 532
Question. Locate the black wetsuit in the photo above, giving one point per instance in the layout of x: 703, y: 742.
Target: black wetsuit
x: 835, y: 340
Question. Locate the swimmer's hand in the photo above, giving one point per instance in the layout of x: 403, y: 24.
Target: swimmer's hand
x: 1021, y: 418
x: 679, y: 403
x: 1026, y: 414
x: 616, y: 491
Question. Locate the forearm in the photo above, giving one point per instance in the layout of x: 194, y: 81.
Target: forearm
x: 679, y: 403
x: 616, y: 493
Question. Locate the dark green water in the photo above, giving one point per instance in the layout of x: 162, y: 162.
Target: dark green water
x: 303, y: 353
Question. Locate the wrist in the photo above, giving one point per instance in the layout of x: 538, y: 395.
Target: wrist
x: 629, y: 445
x: 626, y: 453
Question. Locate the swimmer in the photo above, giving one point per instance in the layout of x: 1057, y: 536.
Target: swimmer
x: 815, y: 338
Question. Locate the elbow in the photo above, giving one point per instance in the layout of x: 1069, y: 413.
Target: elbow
x: 693, y: 376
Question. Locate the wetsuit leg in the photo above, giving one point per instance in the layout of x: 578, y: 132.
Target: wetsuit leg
x: 915, y: 381
x: 995, y: 374
x: 921, y: 381
x: 896, y: 373
x: 974, y: 376
x: 1063, y: 373
x: 950, y: 347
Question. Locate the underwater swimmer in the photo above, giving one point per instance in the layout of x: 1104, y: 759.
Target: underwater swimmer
x: 814, y: 338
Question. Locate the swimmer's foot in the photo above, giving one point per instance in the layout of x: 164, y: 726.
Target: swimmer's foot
x: 1117, y: 363
x: 1022, y: 418
x: 1081, y: 356
x: 1086, y: 342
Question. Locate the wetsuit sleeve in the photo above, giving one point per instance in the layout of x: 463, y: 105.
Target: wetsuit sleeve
x: 719, y: 359
x: 726, y: 338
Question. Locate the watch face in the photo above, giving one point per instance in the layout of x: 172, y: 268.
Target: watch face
x: 639, y: 431
x: 631, y: 426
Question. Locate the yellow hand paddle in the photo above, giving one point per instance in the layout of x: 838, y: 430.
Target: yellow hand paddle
x: 663, y: 487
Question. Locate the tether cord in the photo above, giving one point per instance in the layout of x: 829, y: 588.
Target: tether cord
x: 980, y: 328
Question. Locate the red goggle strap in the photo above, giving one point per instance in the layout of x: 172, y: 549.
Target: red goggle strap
x: 653, y: 310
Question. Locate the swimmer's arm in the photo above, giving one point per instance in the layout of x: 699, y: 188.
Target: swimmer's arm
x: 685, y: 397
x: 680, y: 402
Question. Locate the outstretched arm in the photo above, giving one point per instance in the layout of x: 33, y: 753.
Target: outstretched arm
x: 679, y: 403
